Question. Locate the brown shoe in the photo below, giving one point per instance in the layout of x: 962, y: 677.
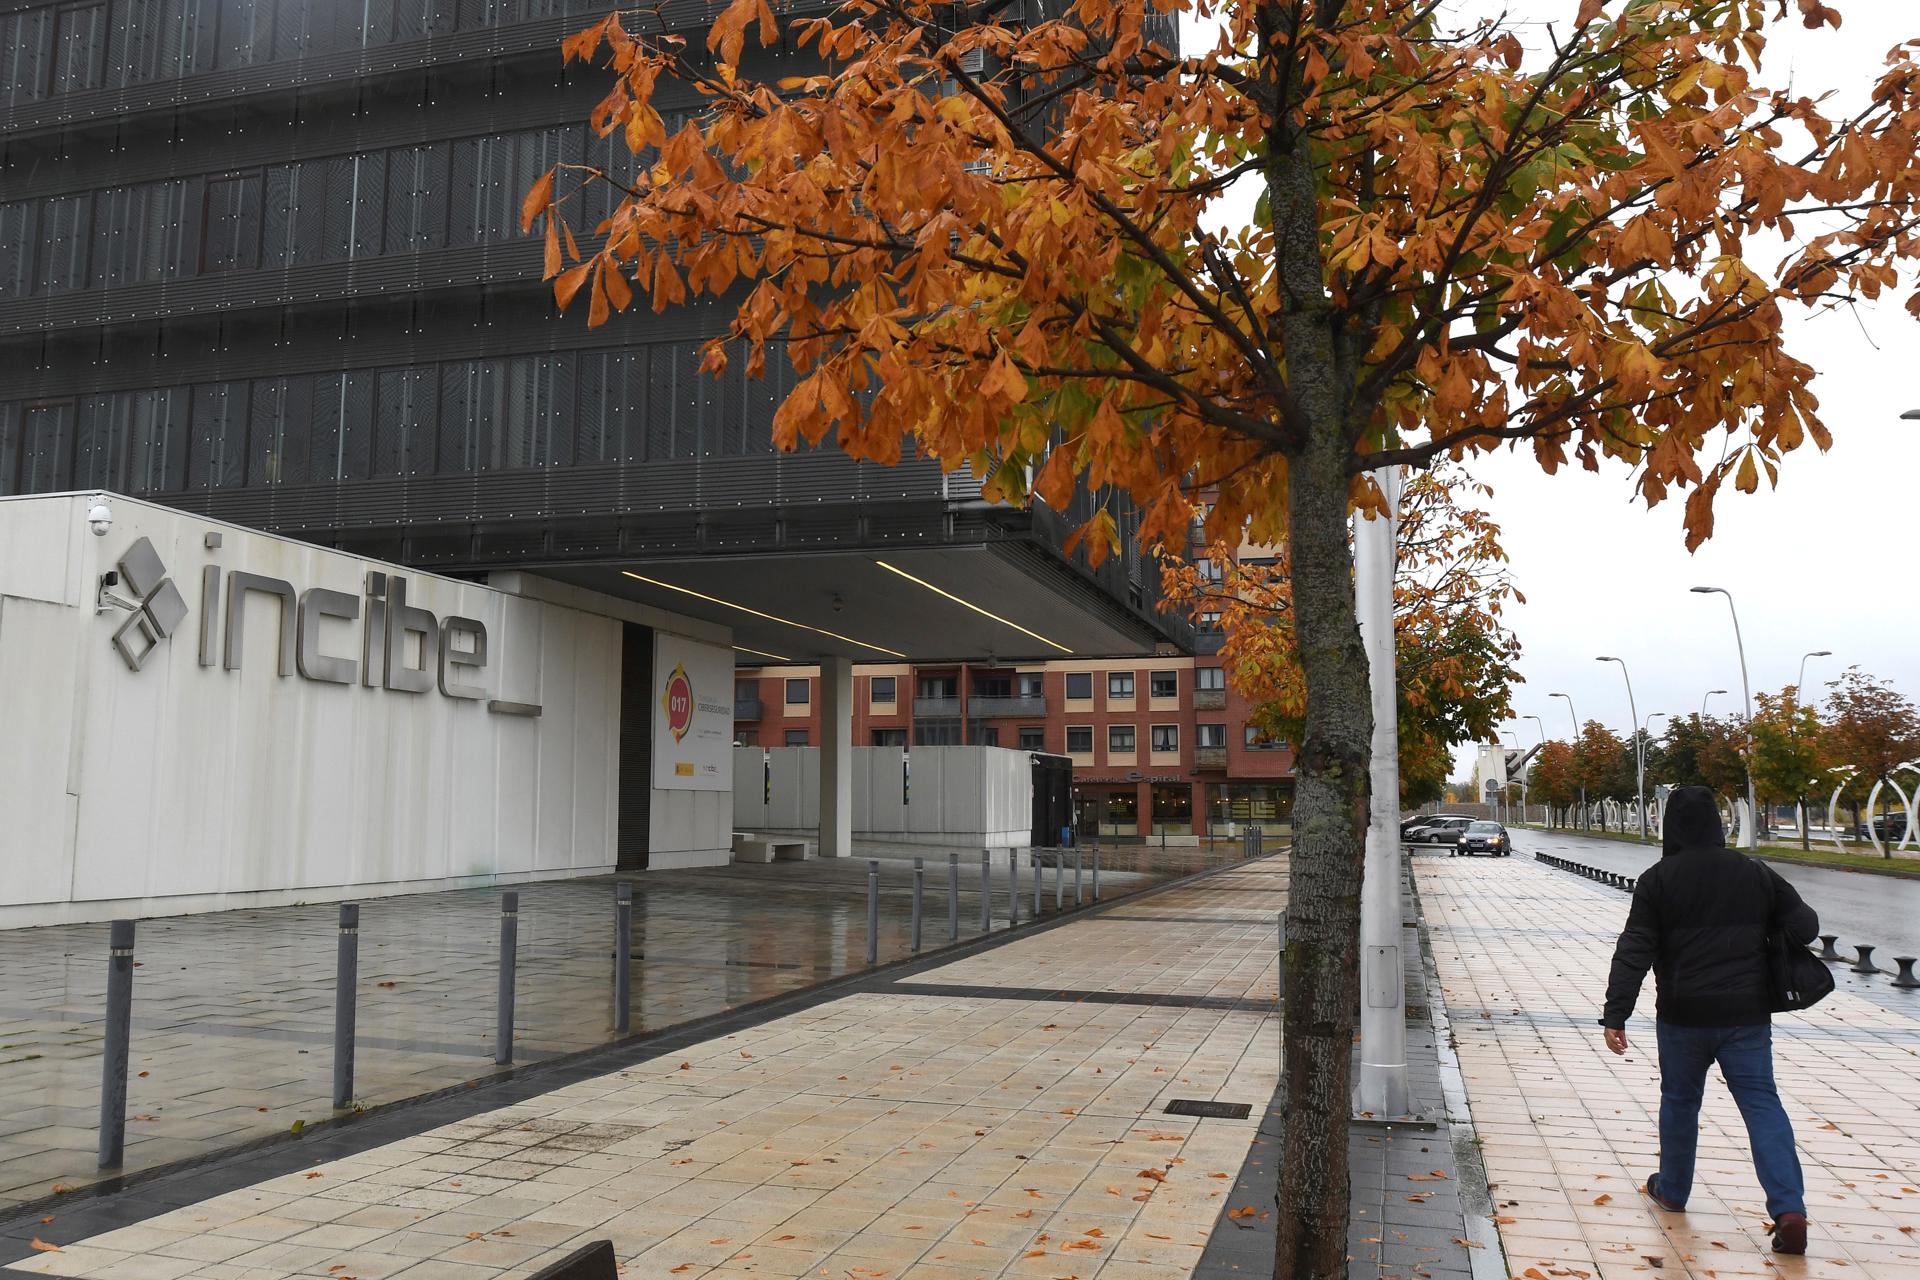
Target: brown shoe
x: 1790, y: 1233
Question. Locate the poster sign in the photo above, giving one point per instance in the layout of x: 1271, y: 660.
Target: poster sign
x: 692, y: 715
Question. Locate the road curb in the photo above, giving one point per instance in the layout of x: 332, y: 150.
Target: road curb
x: 1892, y: 873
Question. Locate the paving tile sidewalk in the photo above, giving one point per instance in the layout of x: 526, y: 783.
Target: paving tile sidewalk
x: 1568, y: 1131
x: 1000, y: 1114
x: 233, y: 1011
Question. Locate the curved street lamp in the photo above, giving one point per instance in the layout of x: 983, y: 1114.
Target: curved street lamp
x: 1703, y: 701
x: 1746, y: 692
x: 1575, y: 719
x: 1639, y: 749
x: 1800, y: 683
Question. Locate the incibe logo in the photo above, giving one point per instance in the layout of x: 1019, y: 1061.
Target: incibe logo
x: 402, y: 647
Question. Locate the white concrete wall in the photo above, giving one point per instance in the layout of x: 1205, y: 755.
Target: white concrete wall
x: 183, y: 787
x: 968, y: 796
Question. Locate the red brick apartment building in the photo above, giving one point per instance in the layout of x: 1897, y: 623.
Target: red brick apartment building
x: 1158, y: 744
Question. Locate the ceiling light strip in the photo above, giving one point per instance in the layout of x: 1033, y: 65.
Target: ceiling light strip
x: 770, y: 617
x: 762, y: 653
x: 985, y: 613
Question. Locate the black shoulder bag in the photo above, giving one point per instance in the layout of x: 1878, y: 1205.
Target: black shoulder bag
x: 1797, y: 978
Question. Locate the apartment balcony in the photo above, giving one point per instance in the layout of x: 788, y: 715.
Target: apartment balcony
x: 746, y: 709
x: 989, y: 706
x: 1210, y: 759
x: 930, y: 707
x: 1209, y: 699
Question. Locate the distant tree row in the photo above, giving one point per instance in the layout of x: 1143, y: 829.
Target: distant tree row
x: 1797, y: 751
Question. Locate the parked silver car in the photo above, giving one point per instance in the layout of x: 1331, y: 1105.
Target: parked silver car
x: 1441, y: 828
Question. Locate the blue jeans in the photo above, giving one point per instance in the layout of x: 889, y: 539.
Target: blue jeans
x: 1745, y: 1055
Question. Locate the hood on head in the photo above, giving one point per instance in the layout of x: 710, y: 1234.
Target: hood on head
x: 1692, y: 821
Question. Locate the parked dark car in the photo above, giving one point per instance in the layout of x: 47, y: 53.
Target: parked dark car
x: 1442, y: 828
x: 1890, y: 827
x: 1485, y: 837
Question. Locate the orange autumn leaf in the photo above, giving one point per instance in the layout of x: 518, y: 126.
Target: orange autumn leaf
x: 41, y: 1246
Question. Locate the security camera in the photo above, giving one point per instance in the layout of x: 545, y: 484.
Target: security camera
x: 100, y: 517
x: 838, y: 604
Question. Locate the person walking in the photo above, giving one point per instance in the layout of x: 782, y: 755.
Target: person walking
x: 1700, y: 920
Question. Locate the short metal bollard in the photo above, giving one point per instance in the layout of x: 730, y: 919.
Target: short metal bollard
x: 119, y: 1031
x: 1013, y: 886
x: 346, y: 982
x: 919, y: 888
x: 1078, y: 898
x: 986, y: 891
x: 953, y: 897
x: 1059, y: 879
x: 873, y: 910
x: 509, y: 958
x: 1865, y: 964
x: 1905, y: 979
x: 1827, y: 950
x: 1039, y: 883
x: 1096, y: 873
x: 622, y: 957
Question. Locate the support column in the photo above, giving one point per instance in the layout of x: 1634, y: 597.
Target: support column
x: 1382, y: 1088
x: 836, y: 757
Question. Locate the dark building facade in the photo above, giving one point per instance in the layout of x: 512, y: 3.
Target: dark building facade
x: 261, y: 260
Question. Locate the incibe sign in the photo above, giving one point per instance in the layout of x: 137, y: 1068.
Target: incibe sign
x: 401, y: 647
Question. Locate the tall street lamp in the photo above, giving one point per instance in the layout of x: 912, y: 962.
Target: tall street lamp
x: 1540, y: 726
x: 1800, y: 683
x: 1526, y: 779
x: 1639, y: 748
x: 1703, y: 701
x: 1746, y: 693
x: 1575, y: 719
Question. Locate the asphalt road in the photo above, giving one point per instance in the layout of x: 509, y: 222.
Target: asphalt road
x: 1883, y: 911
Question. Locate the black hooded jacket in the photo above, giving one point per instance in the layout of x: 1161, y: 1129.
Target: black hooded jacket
x: 1700, y: 920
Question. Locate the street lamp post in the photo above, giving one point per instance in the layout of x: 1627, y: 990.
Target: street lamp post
x: 1526, y: 785
x: 1746, y: 693
x: 1703, y: 701
x: 1800, y: 681
x: 1505, y: 781
x: 1576, y: 743
x: 1639, y: 749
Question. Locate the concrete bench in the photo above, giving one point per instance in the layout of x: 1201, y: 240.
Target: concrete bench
x: 752, y: 848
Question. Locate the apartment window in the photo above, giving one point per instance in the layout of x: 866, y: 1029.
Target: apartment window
x: 885, y: 689
x: 1000, y: 686
x: 889, y: 737
x: 746, y: 690
x: 987, y: 735
x: 1120, y: 684
x: 745, y: 738
x: 1164, y: 684
x: 1209, y: 678
x: 1079, y: 739
x: 1166, y: 737
x: 1031, y: 684
x: 1210, y: 735
x: 1121, y: 738
x: 799, y: 693
x: 1259, y: 739
x: 796, y: 737
x: 1079, y: 684
x: 1033, y: 738
x: 1210, y: 620
x: 939, y: 686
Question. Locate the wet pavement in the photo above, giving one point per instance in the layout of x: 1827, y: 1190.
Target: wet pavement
x: 233, y: 1011
x: 1882, y: 911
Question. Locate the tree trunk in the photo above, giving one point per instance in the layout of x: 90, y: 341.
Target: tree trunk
x: 1806, y: 825
x: 1323, y: 911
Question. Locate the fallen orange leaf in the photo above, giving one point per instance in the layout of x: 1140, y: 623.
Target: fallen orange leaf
x: 1602, y: 1198
x: 43, y: 1247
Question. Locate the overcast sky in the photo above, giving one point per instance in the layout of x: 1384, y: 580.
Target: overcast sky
x: 1825, y: 562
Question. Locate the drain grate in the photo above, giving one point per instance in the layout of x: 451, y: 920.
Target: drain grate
x: 1209, y: 1110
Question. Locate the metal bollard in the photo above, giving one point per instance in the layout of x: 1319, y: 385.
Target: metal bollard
x: 113, y: 1063
x: 1078, y: 898
x: 1059, y: 879
x: 873, y: 910
x: 622, y: 957
x: 953, y: 897
x: 346, y: 981
x: 986, y: 891
x: 1013, y: 886
x: 1039, y: 883
x: 509, y: 957
x: 1096, y: 873
x: 919, y: 886
x: 1905, y: 980
x: 1865, y: 964
x: 1827, y: 949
